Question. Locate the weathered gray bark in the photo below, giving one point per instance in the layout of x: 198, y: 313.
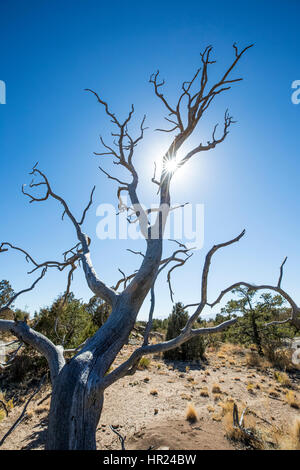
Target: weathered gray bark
x: 75, y: 408
x: 77, y: 396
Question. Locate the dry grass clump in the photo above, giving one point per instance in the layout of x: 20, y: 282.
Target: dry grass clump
x: 216, y: 388
x: 217, y: 396
x: 191, y: 413
x: 283, y: 379
x: 292, y: 400
x: 29, y: 415
x: 204, y: 392
x: 191, y: 380
x: 153, y: 392
x: 250, y: 387
x: 211, y: 409
x: 221, y: 355
x: 289, y: 439
x: 216, y: 417
x: 41, y: 409
x: 227, y: 406
x: 295, y: 433
x: 253, y: 359
x: 273, y: 393
x: 144, y: 363
x: 184, y: 396
x: 233, y: 349
x: 6, y: 404
x: 280, y: 358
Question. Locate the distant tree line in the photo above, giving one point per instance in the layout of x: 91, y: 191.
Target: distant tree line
x: 69, y: 321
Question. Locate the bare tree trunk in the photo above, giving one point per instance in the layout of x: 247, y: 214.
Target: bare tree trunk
x: 77, y: 397
x: 75, y: 411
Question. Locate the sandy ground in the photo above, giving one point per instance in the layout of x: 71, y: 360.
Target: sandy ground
x: 150, y: 407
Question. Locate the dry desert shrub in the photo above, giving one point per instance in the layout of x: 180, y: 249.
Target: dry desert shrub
x: 227, y: 406
x: 5, y: 406
x: 253, y: 359
x: 279, y: 358
x: 216, y: 417
x: 233, y: 349
x: 191, y: 379
x: 191, y: 413
x: 184, y: 396
x: 289, y: 439
x: 216, y: 388
x: 283, y: 379
x: 292, y: 399
x: 41, y: 409
x: 29, y: 415
x: 221, y: 355
x: 217, y: 397
x: 251, y: 387
x: 204, y: 392
x: 273, y: 393
x: 144, y: 363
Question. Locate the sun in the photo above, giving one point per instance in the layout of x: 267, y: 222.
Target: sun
x: 170, y: 165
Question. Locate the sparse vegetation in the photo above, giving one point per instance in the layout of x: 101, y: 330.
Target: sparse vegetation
x: 5, y: 406
x: 283, y: 379
x: 292, y: 399
x: 191, y: 413
x: 216, y: 388
x: 144, y: 363
x: 288, y: 438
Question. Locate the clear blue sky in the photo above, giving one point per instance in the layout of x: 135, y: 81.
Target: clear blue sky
x: 52, y: 50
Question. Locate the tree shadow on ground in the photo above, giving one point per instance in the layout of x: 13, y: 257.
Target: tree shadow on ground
x: 37, y: 438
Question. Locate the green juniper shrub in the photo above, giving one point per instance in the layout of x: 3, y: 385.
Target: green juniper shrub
x: 191, y: 350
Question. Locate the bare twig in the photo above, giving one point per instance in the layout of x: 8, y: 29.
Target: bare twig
x: 121, y: 438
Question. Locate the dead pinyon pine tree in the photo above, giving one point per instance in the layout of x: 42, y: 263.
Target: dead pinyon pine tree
x: 79, y: 385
